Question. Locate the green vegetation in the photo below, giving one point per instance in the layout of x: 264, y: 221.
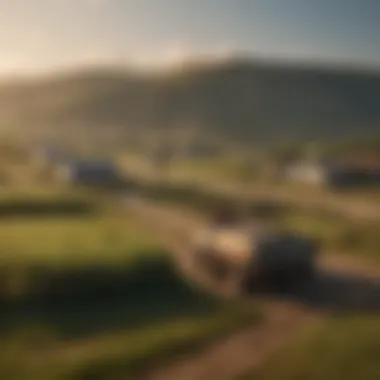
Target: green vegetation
x: 72, y: 240
x: 86, y: 293
x: 240, y: 99
x: 108, y: 323
x: 340, y: 349
x: 218, y: 169
x: 335, y: 232
x: 354, y: 146
x: 156, y: 345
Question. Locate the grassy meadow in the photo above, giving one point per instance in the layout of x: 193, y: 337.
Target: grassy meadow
x: 337, y: 234
x: 87, y: 292
x: 337, y: 349
x: 73, y: 240
x: 233, y: 169
x: 311, y: 215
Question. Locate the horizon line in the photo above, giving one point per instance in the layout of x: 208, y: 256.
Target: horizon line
x: 305, y: 63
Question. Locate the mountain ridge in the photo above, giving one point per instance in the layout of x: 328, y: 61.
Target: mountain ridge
x: 241, y: 98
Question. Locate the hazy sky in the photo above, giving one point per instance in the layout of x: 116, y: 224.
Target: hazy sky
x: 42, y: 35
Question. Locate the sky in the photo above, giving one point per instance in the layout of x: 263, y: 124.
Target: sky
x: 44, y: 35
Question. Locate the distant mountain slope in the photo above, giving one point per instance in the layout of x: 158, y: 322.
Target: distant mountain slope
x: 241, y: 98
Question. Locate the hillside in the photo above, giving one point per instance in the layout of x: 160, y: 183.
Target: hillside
x: 240, y: 98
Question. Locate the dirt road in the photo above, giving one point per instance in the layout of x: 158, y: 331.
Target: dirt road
x: 341, y: 284
x: 241, y: 352
x: 335, y: 271
x: 349, y: 207
x: 352, y: 207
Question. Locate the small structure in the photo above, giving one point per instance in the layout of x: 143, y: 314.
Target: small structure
x: 338, y: 174
x: 49, y: 156
x: 354, y: 176
x: 45, y: 160
x: 315, y: 173
x: 99, y: 174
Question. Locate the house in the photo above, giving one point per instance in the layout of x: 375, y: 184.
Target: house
x: 92, y: 173
x: 354, y: 174
x: 337, y: 174
x: 307, y: 172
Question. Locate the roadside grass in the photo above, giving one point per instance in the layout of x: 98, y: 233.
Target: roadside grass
x: 111, y: 323
x: 162, y: 343
x: 339, y: 349
x: 217, y: 169
x: 55, y: 225
x: 71, y: 240
x: 40, y: 192
x: 336, y: 233
x: 94, y: 296
x: 231, y: 170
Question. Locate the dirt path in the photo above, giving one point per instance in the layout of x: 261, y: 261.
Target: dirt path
x: 241, y: 352
x: 335, y: 271
x: 285, y: 316
x: 349, y: 206
x: 349, y: 265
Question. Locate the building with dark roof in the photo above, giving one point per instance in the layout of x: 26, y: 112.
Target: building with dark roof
x: 93, y: 173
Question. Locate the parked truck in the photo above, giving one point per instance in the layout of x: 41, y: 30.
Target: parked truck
x: 254, y: 255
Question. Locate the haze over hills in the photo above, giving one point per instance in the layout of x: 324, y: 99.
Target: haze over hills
x: 239, y: 98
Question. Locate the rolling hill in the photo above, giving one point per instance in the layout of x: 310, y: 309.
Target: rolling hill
x: 239, y: 98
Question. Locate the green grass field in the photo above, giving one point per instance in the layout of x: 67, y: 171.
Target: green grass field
x: 122, y: 337
x: 218, y: 169
x: 94, y: 296
x: 336, y: 233
x: 339, y: 349
x: 72, y: 240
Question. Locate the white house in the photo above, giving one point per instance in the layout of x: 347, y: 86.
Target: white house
x: 307, y: 172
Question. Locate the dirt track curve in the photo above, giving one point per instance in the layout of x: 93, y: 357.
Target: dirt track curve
x: 341, y: 284
x: 350, y: 207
